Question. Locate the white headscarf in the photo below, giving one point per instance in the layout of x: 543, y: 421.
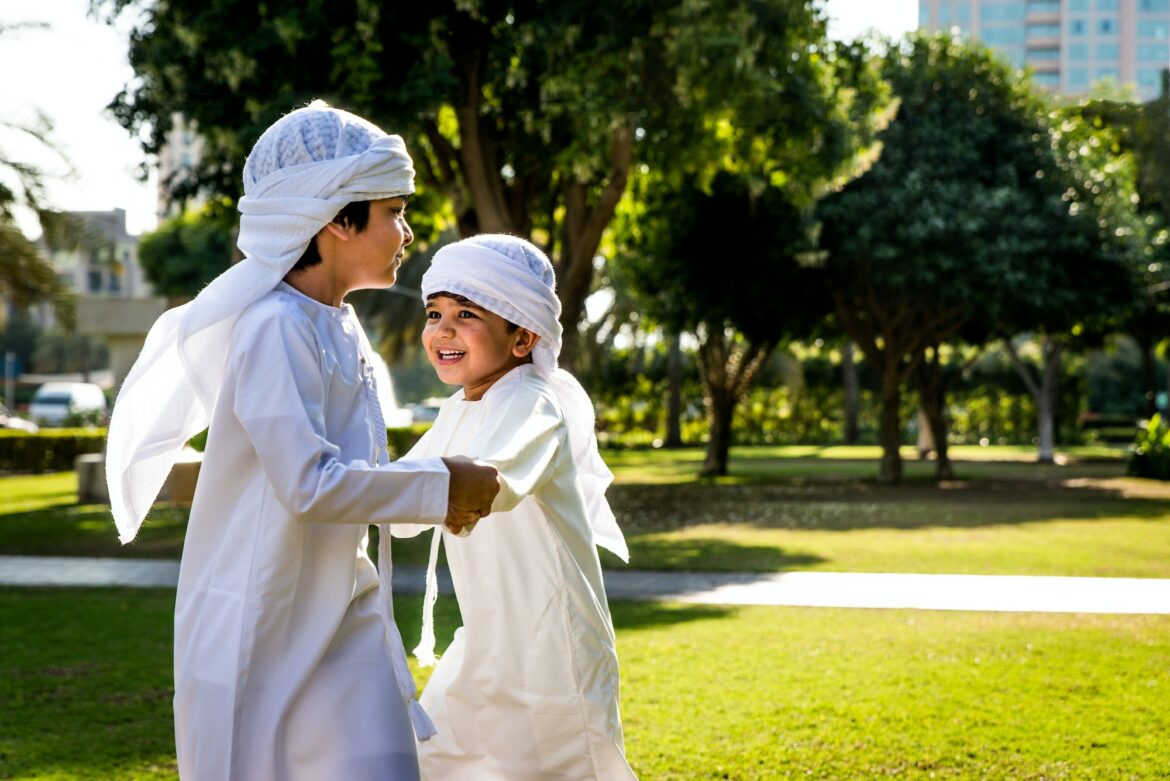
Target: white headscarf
x: 512, y: 278
x: 302, y: 171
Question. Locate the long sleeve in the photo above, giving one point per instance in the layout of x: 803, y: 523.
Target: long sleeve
x: 280, y: 402
x: 521, y: 441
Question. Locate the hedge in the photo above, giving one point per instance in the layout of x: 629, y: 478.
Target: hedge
x: 53, y: 450
x: 50, y: 450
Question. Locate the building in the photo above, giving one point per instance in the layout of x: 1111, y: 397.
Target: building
x: 103, y: 260
x: 177, y: 157
x: 114, y: 300
x: 1069, y: 44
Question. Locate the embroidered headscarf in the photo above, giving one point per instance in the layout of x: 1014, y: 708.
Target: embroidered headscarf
x: 302, y: 171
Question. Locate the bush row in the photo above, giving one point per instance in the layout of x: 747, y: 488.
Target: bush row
x: 54, y: 450
x: 50, y: 450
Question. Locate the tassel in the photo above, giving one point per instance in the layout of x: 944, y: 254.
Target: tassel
x: 425, y: 651
x: 424, y: 728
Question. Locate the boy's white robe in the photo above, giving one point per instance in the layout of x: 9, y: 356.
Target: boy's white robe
x: 282, y: 659
x: 528, y: 689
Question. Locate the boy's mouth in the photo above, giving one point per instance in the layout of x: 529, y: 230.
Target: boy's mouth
x: 449, y: 355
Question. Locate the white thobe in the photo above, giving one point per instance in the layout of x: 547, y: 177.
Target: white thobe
x: 528, y: 689
x: 282, y: 651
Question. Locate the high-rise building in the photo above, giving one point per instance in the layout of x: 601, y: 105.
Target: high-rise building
x: 1070, y: 44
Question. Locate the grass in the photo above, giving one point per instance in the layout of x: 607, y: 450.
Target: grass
x: 708, y: 692
x: 781, y: 509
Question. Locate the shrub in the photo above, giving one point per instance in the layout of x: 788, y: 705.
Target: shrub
x: 1151, y: 450
x: 50, y: 450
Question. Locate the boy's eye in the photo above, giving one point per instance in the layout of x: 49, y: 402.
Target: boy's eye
x: 432, y: 314
x: 467, y: 313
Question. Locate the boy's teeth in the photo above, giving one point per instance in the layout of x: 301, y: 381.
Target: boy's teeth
x: 450, y: 353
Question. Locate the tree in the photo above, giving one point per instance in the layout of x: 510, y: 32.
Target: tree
x: 186, y: 252
x: 527, y: 116
x: 971, y: 221
x: 26, y: 275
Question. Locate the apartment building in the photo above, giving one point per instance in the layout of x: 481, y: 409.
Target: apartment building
x: 1069, y: 44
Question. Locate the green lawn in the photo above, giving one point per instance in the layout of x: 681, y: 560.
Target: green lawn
x: 781, y: 509
x: 708, y: 692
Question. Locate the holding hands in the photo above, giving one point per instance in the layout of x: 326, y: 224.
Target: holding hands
x: 470, y: 493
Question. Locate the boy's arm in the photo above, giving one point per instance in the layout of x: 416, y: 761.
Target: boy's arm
x: 280, y: 402
x: 522, y: 444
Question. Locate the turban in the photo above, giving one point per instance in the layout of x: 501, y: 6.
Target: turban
x: 302, y: 171
x: 512, y: 278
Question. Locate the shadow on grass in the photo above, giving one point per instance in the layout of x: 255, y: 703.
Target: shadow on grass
x: 844, y: 504
x: 70, y: 529
x: 709, y: 554
x: 632, y: 616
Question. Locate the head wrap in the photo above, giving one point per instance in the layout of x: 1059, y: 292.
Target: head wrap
x: 302, y: 171
x: 512, y: 278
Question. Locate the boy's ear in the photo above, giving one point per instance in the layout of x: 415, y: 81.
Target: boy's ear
x: 525, y: 343
x: 335, y: 229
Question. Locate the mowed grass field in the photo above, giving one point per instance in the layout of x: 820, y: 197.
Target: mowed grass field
x: 714, y: 692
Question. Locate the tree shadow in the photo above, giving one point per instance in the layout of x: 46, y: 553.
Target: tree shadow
x: 632, y: 616
x: 845, y: 504
x: 709, y: 554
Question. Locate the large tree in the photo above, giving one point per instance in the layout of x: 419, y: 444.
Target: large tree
x: 973, y: 216
x: 528, y: 116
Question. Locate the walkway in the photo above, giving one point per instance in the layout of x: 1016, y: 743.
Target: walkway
x: 805, y: 589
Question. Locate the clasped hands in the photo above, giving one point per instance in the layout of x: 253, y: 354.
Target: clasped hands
x: 472, y: 489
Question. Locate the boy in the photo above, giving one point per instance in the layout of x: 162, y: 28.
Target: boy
x: 287, y: 661
x: 528, y: 689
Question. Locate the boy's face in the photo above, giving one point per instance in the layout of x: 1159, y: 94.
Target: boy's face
x: 375, y: 253
x: 472, y: 347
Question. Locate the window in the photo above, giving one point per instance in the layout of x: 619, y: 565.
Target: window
x: 1154, y: 5
x: 1107, y: 51
x: 1149, y: 77
x: 1107, y: 73
x: 924, y: 13
x: 1078, y: 51
x: 964, y: 15
x: 1001, y: 12
x: 1043, y: 7
x: 1078, y: 78
x: 1048, y: 79
x: 944, y: 16
x: 1078, y: 27
x: 1003, y: 36
x: 1044, y: 55
x: 1078, y: 5
x: 1107, y: 26
x: 1147, y: 28
x: 1106, y: 5
x: 1153, y: 52
x: 1043, y: 31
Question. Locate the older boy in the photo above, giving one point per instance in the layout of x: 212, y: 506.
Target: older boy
x: 288, y: 665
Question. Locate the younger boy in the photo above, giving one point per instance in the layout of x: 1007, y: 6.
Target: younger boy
x: 528, y: 689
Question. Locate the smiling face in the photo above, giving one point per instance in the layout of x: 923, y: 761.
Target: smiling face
x: 471, y: 346
x: 374, y: 254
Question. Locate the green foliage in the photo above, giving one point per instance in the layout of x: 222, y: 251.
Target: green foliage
x: 187, y: 252
x: 49, y: 450
x: 1151, y: 450
x: 399, y: 440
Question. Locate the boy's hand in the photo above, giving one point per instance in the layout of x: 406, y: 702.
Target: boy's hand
x: 470, y: 493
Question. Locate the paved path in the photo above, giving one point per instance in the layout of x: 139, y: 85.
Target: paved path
x: 809, y: 589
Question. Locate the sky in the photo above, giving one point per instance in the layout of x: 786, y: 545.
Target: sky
x: 72, y: 70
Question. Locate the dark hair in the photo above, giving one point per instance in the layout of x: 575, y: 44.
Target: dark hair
x: 465, y: 301
x: 356, y: 214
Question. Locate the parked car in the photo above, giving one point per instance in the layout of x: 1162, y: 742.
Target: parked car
x: 66, y: 403
x: 10, y: 420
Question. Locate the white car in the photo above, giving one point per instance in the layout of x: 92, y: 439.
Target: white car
x: 55, y: 403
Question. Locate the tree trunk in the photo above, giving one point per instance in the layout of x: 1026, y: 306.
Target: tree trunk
x: 849, y: 380
x: 932, y: 397
x: 890, y: 435
x: 1043, y: 392
x: 674, y: 392
x: 1149, y: 378
x: 727, y: 366
x: 720, y: 409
